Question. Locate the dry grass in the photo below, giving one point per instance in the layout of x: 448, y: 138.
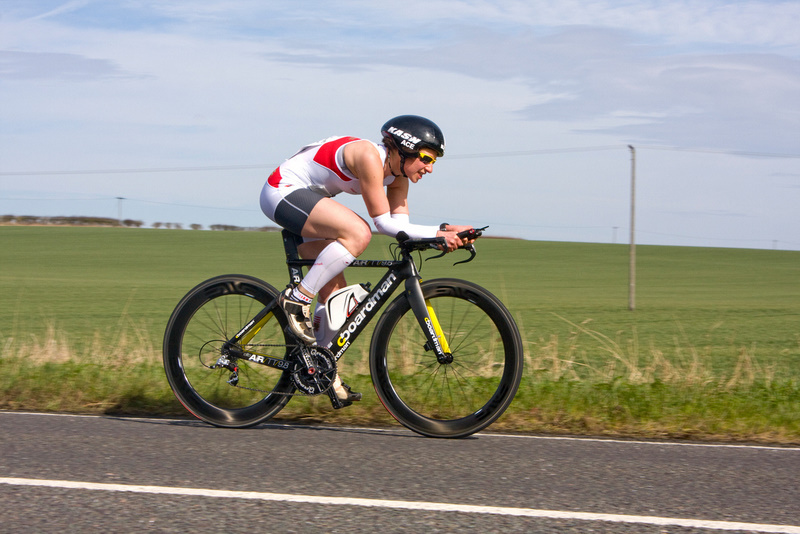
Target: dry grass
x: 546, y: 358
x: 623, y: 388
x: 624, y: 357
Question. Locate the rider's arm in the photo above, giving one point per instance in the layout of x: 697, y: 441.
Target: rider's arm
x: 365, y: 163
x: 388, y: 206
x: 390, y: 224
x: 386, y: 209
x: 397, y: 193
x: 398, y: 217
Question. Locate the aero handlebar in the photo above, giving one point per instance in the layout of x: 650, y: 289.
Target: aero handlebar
x: 410, y: 245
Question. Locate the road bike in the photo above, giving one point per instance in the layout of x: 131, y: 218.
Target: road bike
x: 445, y: 357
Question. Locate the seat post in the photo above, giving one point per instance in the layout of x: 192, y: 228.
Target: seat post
x: 290, y: 243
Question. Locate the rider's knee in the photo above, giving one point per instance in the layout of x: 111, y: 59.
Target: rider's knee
x: 358, y: 238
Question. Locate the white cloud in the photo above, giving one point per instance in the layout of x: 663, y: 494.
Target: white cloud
x: 133, y: 84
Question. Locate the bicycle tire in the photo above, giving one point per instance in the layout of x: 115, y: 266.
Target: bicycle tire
x: 209, y: 315
x: 447, y: 400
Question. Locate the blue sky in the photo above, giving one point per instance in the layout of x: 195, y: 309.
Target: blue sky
x: 538, y: 100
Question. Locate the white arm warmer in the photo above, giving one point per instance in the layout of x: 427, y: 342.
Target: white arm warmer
x: 391, y: 224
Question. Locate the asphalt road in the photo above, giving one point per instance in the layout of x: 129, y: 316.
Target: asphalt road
x: 105, y: 474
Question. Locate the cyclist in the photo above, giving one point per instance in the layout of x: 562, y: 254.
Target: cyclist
x: 298, y: 197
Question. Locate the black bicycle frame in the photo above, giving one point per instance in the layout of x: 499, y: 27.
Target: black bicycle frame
x: 399, y: 271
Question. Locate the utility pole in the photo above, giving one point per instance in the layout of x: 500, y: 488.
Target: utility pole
x: 632, y: 266
x: 119, y: 209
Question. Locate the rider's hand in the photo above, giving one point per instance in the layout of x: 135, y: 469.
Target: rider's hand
x: 450, y: 235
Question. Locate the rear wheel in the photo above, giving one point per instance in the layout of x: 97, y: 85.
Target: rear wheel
x: 460, y: 397
x: 200, y: 364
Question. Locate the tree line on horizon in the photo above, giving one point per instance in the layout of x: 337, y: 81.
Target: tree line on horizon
x: 38, y: 220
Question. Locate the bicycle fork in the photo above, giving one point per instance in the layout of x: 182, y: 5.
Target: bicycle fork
x: 426, y: 316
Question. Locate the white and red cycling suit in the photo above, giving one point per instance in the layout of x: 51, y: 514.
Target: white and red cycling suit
x: 316, y: 171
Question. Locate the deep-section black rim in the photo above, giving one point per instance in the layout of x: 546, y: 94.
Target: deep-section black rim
x: 209, y: 315
x: 448, y: 400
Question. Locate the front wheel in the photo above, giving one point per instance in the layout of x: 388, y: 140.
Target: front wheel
x: 220, y: 383
x: 457, y: 398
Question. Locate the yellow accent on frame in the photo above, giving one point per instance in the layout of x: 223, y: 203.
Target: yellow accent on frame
x: 255, y: 330
x: 437, y: 328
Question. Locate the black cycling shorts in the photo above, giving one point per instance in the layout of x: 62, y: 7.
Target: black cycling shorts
x: 293, y: 210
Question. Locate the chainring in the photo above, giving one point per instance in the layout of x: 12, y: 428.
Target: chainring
x: 316, y: 370
x: 313, y: 369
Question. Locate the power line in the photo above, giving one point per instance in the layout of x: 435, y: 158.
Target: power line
x: 192, y: 205
x: 130, y: 199
x: 269, y: 167
x: 745, y: 153
x: 509, y: 154
x: 536, y: 152
x: 139, y: 171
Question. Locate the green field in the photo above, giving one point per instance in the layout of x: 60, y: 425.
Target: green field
x: 712, y: 350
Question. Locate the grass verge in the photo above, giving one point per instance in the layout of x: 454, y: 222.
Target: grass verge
x: 637, y: 394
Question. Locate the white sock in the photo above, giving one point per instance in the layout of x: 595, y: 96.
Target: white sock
x: 331, y: 261
x: 300, y: 297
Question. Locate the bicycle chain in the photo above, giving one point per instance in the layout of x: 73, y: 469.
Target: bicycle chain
x: 297, y: 392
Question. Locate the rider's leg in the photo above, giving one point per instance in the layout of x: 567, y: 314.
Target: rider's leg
x: 341, y: 236
x: 329, y: 264
x: 322, y: 220
x: 346, y: 235
x: 322, y: 331
x: 331, y: 220
x: 312, y: 250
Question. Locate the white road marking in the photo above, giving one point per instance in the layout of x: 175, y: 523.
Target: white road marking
x: 406, y: 505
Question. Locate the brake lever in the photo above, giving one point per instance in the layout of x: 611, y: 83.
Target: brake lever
x: 472, y: 233
x: 437, y: 256
x: 472, y: 254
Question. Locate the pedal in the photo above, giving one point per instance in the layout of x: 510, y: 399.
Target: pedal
x: 335, y: 402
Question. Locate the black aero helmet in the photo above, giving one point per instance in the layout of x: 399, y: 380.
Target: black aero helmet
x: 411, y: 133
